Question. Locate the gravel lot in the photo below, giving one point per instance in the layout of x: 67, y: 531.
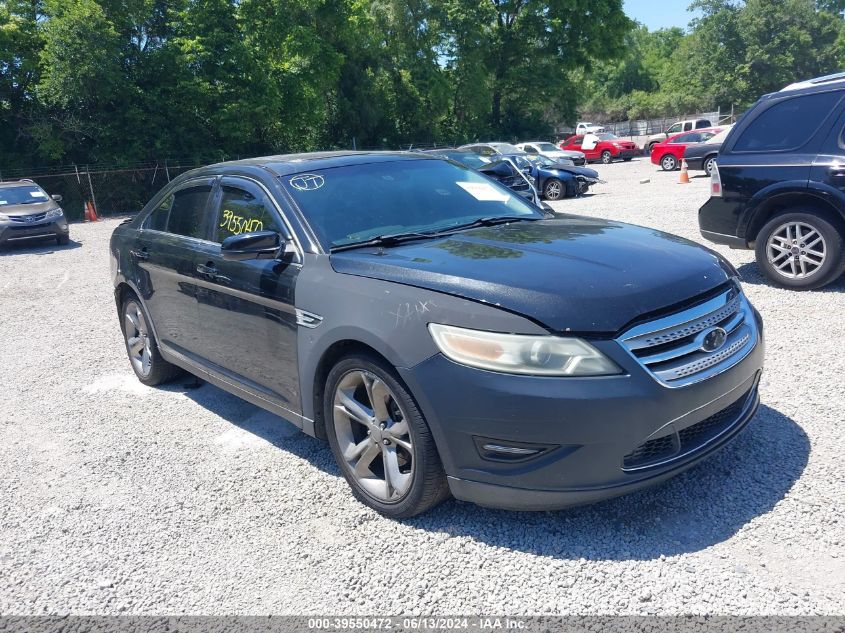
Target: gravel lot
x: 118, y: 498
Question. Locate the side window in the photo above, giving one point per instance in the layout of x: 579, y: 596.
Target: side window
x: 485, y: 151
x: 243, y: 212
x: 702, y: 123
x: 687, y: 126
x: 706, y: 136
x: 188, y: 212
x: 674, y: 129
x: 157, y: 219
x: 788, y: 124
x: 530, y: 149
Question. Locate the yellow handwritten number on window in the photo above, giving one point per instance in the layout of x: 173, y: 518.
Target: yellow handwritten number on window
x: 236, y: 224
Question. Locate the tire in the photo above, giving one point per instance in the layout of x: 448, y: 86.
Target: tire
x: 146, y: 360
x: 819, y: 262
x: 554, y: 189
x: 709, y: 161
x: 606, y: 157
x: 668, y: 162
x: 355, y: 438
x: 650, y: 148
x: 63, y: 240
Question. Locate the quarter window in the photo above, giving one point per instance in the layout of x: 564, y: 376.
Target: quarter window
x: 187, y: 211
x: 788, y: 124
x: 243, y: 212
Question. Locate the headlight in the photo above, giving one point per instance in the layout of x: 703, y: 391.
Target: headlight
x: 54, y: 213
x: 3, y: 217
x: 522, y: 354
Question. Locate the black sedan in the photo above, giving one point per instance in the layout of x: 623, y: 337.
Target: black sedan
x: 702, y: 156
x: 444, y: 335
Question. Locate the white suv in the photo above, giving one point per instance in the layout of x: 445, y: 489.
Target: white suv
x: 676, y: 128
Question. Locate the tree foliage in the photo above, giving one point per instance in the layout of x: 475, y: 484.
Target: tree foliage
x: 123, y: 81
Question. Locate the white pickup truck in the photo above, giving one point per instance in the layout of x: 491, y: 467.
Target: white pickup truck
x: 676, y: 128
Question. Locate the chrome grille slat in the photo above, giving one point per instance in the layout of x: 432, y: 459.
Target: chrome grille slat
x: 673, y: 350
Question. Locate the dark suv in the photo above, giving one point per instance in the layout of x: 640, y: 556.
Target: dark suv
x: 27, y: 213
x: 779, y: 184
x: 444, y: 334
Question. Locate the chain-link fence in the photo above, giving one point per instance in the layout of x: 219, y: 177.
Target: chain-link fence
x: 112, y: 190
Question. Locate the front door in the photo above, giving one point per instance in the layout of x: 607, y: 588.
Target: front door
x: 165, y: 268
x: 246, y: 308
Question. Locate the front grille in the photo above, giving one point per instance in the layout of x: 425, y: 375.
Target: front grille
x: 677, y: 443
x: 675, y: 348
x: 28, y: 219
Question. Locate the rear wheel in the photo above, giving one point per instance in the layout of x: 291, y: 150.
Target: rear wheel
x: 606, y: 157
x: 380, y: 439
x: 800, y: 250
x: 144, y: 355
x: 668, y: 163
x: 650, y: 148
x: 709, y: 162
x: 554, y: 189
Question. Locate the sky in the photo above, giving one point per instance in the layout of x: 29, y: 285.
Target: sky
x: 657, y: 14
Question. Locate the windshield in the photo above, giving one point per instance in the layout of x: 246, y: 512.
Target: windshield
x: 547, y: 147
x: 607, y: 136
x: 505, y: 148
x: 470, y: 159
x: 721, y: 136
x: 27, y: 194
x: 345, y: 205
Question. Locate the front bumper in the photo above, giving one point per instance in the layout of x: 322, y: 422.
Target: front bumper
x: 589, y: 426
x: 627, y: 153
x: 13, y: 232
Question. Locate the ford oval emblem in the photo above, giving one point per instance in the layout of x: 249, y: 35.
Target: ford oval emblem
x: 307, y: 182
x: 714, y: 339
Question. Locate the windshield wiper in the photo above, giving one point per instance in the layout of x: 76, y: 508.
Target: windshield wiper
x: 396, y: 238
x: 382, y: 240
x: 489, y: 221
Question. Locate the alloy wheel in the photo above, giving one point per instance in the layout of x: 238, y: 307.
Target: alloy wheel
x: 373, y: 436
x: 796, y: 250
x: 668, y: 163
x: 708, y: 165
x: 553, y: 190
x: 137, y: 338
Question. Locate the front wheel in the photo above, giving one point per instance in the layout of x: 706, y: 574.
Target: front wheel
x: 606, y: 157
x: 668, y: 163
x: 554, y: 189
x: 800, y: 250
x: 380, y: 439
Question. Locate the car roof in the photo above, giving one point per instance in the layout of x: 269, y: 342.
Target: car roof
x: 823, y: 81
x: 715, y: 130
x: 17, y: 183
x: 286, y: 164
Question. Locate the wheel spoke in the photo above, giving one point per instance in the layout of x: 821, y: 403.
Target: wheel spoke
x: 136, y: 344
x: 362, y: 466
x: 397, y: 481
x: 353, y: 409
x: 145, y: 361
x: 398, y: 429
x: 354, y: 451
x: 378, y: 394
x: 132, y: 324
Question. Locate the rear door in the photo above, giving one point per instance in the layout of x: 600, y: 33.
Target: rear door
x: 165, y: 255
x: 777, y: 145
x: 247, y: 308
x: 829, y: 166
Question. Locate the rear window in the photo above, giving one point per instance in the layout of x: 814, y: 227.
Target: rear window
x: 788, y: 124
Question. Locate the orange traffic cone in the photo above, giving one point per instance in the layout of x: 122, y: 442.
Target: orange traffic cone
x: 684, y: 174
x: 91, y: 214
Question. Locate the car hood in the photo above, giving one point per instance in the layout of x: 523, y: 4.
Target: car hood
x: 26, y: 209
x: 569, y: 274
x: 586, y: 172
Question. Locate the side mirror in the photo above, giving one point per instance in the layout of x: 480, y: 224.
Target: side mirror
x: 257, y: 245
x: 56, y: 197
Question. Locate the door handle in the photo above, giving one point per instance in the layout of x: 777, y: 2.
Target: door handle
x: 211, y: 271
x: 142, y: 254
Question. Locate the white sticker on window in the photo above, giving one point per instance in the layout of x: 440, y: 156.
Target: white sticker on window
x: 3, y: 202
x: 36, y: 194
x: 485, y: 192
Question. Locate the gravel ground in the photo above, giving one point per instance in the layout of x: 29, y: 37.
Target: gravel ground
x: 117, y: 498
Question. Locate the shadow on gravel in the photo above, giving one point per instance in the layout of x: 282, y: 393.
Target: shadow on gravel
x: 47, y: 247
x: 750, y: 274
x: 697, y: 509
